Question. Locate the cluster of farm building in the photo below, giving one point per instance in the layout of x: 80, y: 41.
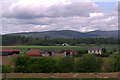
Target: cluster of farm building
x: 48, y: 53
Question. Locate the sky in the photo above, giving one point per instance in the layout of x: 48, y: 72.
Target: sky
x: 44, y: 15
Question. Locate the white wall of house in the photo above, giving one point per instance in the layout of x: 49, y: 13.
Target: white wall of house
x: 52, y: 53
x: 94, y: 51
x: 45, y: 55
x: 64, y: 53
x: 71, y: 53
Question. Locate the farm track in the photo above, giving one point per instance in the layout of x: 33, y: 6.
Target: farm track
x: 61, y: 75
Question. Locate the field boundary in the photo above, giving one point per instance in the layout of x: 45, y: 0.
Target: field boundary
x: 61, y: 75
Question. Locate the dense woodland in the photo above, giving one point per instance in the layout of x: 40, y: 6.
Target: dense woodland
x: 21, y: 40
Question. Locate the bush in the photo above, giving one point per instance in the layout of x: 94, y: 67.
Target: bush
x: 26, y: 64
x: 6, y: 69
x: 66, y: 64
x: 102, y: 55
x: 104, y: 50
x: 81, y: 52
x: 22, y: 63
x: 43, y: 65
x: 109, y: 65
x: 88, y: 63
x: 112, y: 64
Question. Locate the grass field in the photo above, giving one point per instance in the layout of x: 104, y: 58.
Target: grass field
x: 60, y: 48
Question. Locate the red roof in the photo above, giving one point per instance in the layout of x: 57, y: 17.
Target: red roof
x: 10, y: 50
x: 33, y: 52
x: 69, y: 51
x: 37, y: 49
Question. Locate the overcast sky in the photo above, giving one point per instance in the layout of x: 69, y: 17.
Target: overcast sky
x: 45, y: 15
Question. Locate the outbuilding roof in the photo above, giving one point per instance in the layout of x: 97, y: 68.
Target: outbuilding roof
x: 8, y: 50
x: 94, y: 48
x: 52, y: 50
x: 33, y: 51
x: 69, y: 51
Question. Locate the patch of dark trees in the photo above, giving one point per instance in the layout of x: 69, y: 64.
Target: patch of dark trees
x: 8, y: 40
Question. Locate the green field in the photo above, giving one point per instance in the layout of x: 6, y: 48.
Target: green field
x: 60, y: 48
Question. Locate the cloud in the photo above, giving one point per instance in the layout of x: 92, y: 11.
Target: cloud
x: 24, y: 10
x: 95, y: 0
x: 24, y: 16
x: 96, y: 14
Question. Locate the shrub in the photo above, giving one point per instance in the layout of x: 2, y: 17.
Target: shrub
x: 88, y: 63
x: 43, y: 65
x: 6, y: 69
x: 66, y: 64
x: 112, y: 64
x: 22, y: 63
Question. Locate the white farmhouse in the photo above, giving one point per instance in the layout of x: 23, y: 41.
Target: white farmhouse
x: 95, y: 50
x: 65, y: 44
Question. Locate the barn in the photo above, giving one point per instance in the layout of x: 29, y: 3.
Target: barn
x: 52, y: 52
x: 8, y: 51
x: 34, y: 53
x: 65, y: 44
x: 68, y: 52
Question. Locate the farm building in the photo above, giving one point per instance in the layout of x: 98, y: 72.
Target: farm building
x: 68, y: 52
x: 8, y: 51
x: 34, y: 53
x: 52, y: 52
x: 95, y: 50
x: 45, y: 55
x: 65, y: 44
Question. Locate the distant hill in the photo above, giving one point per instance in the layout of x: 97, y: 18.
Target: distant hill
x: 105, y: 34
x: 68, y: 34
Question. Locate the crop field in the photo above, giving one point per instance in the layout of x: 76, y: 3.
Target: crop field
x: 23, y: 49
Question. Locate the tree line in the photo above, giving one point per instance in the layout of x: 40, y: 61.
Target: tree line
x: 21, y: 40
x: 88, y: 63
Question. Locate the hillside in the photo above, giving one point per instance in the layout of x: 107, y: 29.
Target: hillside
x: 68, y: 34
x: 105, y: 34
